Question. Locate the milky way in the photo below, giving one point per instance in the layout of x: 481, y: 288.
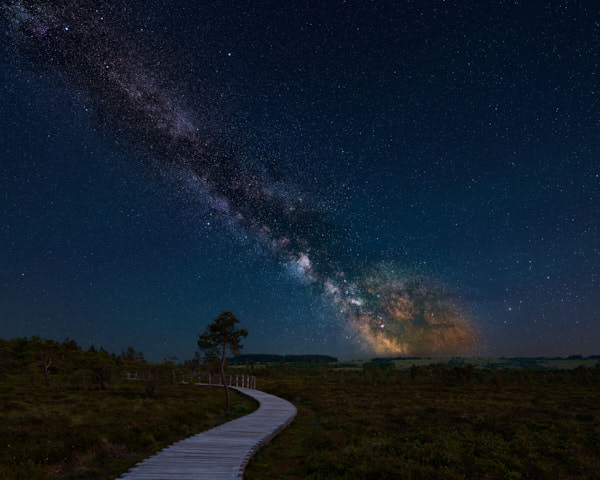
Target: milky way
x: 390, y: 311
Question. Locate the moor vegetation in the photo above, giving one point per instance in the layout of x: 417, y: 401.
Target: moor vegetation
x: 66, y: 413
x: 434, y: 422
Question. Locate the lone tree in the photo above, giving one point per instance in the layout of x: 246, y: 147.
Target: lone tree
x: 218, y: 336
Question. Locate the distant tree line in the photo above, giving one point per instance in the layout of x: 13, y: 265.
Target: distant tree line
x: 570, y: 357
x: 273, y: 358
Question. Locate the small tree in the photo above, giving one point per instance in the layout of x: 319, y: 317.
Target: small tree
x: 220, y: 335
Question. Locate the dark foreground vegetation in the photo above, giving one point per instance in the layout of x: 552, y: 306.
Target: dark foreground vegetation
x: 66, y: 413
x: 434, y: 422
x: 73, y: 414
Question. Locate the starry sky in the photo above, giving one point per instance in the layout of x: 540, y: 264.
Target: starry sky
x: 349, y: 178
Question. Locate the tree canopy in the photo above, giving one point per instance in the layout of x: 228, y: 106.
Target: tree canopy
x: 221, y: 335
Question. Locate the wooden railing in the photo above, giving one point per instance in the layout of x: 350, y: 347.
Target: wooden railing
x: 244, y: 381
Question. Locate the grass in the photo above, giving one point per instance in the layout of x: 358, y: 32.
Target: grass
x: 75, y: 429
x: 361, y: 421
x: 434, y: 423
x: 50, y: 433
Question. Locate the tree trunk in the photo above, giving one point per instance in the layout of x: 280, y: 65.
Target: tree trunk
x: 224, y: 380
x: 46, y: 365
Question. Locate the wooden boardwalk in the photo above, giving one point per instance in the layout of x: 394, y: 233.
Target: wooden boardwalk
x: 223, y: 452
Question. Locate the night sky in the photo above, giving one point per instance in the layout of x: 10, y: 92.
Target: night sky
x: 349, y: 178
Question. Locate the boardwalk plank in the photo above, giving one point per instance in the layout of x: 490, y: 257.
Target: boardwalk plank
x: 223, y: 452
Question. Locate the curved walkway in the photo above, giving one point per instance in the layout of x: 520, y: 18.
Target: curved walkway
x: 222, y: 452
